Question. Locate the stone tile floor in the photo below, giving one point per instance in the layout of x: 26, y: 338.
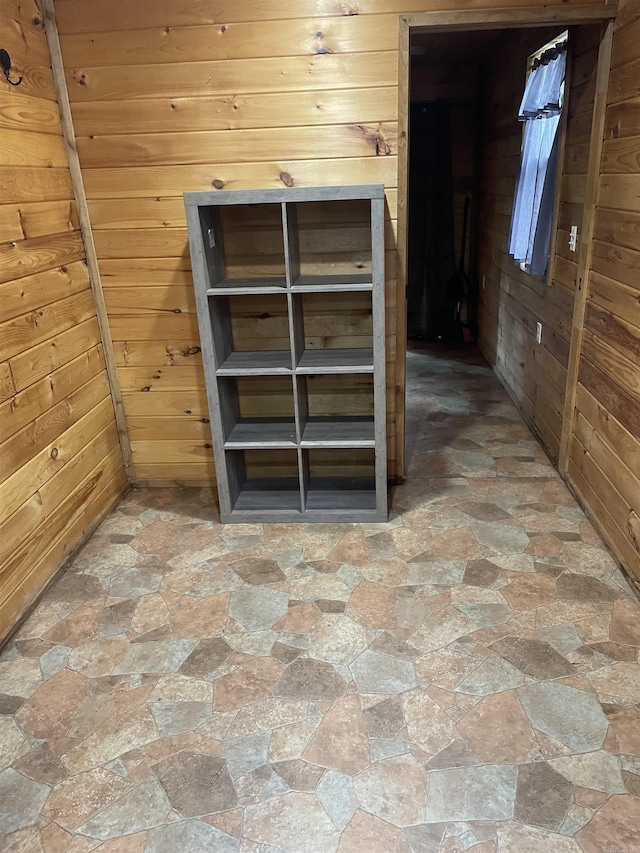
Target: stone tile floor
x: 463, y: 678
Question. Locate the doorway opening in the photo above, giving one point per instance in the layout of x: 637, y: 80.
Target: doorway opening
x: 466, y: 286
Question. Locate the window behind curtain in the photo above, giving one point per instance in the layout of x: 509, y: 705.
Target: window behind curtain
x: 540, y: 111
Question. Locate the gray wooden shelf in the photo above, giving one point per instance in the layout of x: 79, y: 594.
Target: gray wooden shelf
x: 339, y: 432
x: 256, y: 363
x: 336, y: 361
x: 331, y: 283
x: 262, y: 433
x: 278, y: 267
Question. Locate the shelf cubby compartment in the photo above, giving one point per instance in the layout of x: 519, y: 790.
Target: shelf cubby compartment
x: 257, y: 412
x: 264, y: 481
x: 336, y: 411
x: 333, y: 336
x: 339, y: 480
x: 244, y: 247
x: 251, y: 334
x: 329, y: 245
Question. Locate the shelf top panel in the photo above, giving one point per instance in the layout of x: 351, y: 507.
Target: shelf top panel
x: 291, y: 194
x: 336, y: 361
x: 260, y: 363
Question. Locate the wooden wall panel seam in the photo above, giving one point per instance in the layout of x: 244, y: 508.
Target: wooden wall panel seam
x: 85, y: 226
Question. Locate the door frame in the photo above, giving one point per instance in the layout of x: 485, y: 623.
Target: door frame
x: 443, y: 22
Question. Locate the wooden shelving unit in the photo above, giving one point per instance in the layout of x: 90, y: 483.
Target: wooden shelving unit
x: 290, y: 296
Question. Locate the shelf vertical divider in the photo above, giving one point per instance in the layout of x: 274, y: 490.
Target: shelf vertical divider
x: 296, y: 334
x: 379, y: 352
x: 303, y: 467
x: 291, y: 242
x: 198, y: 223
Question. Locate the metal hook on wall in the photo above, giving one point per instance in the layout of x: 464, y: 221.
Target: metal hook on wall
x: 5, y: 62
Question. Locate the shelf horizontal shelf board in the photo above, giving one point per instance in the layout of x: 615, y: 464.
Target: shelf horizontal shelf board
x: 357, y: 360
x: 230, y: 289
x: 256, y: 363
x: 341, y: 493
x: 339, y: 432
x: 262, y: 433
x: 272, y: 494
x: 330, y: 283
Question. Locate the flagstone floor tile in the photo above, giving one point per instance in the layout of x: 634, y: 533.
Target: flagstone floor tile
x: 464, y: 677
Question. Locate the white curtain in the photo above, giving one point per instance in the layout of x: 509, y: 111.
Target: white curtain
x: 540, y: 110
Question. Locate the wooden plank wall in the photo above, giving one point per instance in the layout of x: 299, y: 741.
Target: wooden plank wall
x: 512, y: 302
x: 604, y: 454
x: 169, y: 97
x: 61, y: 465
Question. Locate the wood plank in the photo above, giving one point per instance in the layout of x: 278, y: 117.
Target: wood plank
x: 229, y: 146
x: 117, y: 272
x: 616, y: 262
x: 44, y: 324
x: 165, y: 299
x: 624, y: 82
x: 7, y: 388
x: 166, y: 404
x: 185, y: 428
x: 23, y: 148
x: 28, y: 113
x: 29, y: 366
x: 623, y: 120
x: 37, y: 219
x: 26, y: 295
x: 174, y: 180
x: 620, y: 191
x: 45, y: 393
x: 624, y: 407
x: 621, y: 156
x: 87, y: 16
x: 142, y: 243
x: 24, y: 444
x: 171, y: 452
x: 104, y: 446
x: 615, y: 297
x: 322, y: 72
x: 614, y: 346
x: 251, y: 40
x: 234, y: 112
x: 21, y: 184
x: 157, y: 353
x: 174, y: 378
x: 19, y: 487
x: 176, y: 474
x: 625, y: 445
x: 162, y: 327
x: 39, y: 254
x: 625, y: 47
x: 619, y: 227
